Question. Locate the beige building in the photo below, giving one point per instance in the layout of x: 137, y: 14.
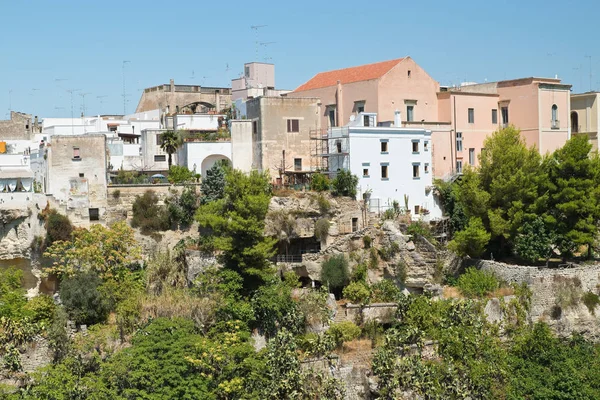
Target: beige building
x: 76, y: 175
x: 171, y: 98
x: 280, y: 129
x: 585, y: 117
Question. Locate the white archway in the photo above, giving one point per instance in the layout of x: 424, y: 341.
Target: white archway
x: 209, y: 161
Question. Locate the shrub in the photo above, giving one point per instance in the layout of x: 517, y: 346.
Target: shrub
x: 384, y: 291
x: 567, y: 291
x: 591, y: 300
x: 419, y: 229
x: 334, y: 271
x: 367, y: 241
x: 58, y: 227
x: 116, y: 194
x: 320, y: 182
x: 324, y: 204
x: 388, y: 214
x: 477, y: 283
x: 148, y: 215
x: 322, y: 228
x: 360, y: 273
x: 388, y: 252
x: 41, y: 308
x: 345, y: 184
x: 344, y: 331
x: 180, y: 173
x: 472, y: 240
x: 357, y: 292
x: 182, y: 208
x: 82, y: 298
x: 12, y: 295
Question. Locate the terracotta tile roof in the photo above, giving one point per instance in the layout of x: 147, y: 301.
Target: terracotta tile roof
x: 349, y: 75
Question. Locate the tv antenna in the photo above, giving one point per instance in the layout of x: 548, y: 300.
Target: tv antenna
x: 72, y: 122
x: 124, y: 94
x: 256, y: 28
x: 83, y: 102
x: 265, y: 44
x: 590, y: 57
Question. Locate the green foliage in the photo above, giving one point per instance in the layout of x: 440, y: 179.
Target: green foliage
x: 165, y: 269
x: 384, y: 291
x: 535, y: 241
x: 324, y: 204
x: 109, y: 252
x: 274, y: 309
x: 12, y: 296
x: 477, y: 283
x: 180, y: 174
x: 344, y: 331
x: 591, y: 301
x: 322, y: 228
x: 213, y: 186
x: 344, y: 184
x: 82, y: 298
x: 388, y: 252
x: 237, y: 223
x: 41, y: 309
x: 357, y: 292
x: 148, y: 215
x: 320, y: 182
x: 471, y: 241
x: 334, y: 271
x: 129, y: 177
x: 58, y: 227
x: 418, y: 229
x: 367, y: 241
x: 359, y: 274
x: 448, y: 193
x: 182, y: 208
x: 567, y: 291
x: 58, y: 337
x: 170, y: 142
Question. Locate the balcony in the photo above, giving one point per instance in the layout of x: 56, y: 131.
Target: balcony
x: 555, y: 124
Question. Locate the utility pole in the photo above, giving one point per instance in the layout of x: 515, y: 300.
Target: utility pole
x: 124, y: 94
x: 590, y: 57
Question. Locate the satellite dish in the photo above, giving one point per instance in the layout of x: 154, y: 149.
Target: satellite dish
x: 352, y: 118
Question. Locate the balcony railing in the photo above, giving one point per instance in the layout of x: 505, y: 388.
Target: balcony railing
x: 289, y: 259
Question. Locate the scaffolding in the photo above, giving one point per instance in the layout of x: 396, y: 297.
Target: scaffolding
x: 330, y: 150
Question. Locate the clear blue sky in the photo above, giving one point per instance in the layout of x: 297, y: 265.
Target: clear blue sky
x: 193, y: 42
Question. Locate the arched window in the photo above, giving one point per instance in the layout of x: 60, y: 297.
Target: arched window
x: 554, y: 116
x: 574, y: 122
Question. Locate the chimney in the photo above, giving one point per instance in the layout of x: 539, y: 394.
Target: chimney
x: 172, y: 88
x: 397, y: 119
x: 339, y: 105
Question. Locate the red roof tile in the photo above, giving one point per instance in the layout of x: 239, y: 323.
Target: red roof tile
x: 349, y: 75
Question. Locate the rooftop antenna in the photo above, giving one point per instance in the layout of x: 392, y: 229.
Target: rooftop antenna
x: 10, y: 101
x: 192, y: 77
x: 124, y: 94
x: 590, y: 57
x: 100, y: 99
x: 256, y: 28
x: 265, y: 44
x: 72, y: 122
x: 227, y: 67
x: 580, y: 69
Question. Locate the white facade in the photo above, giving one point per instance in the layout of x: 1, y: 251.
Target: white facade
x: 390, y: 162
x: 241, y: 144
x: 201, y: 156
x: 197, y: 122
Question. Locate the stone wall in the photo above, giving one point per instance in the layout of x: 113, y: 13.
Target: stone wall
x: 383, y: 313
x: 18, y: 127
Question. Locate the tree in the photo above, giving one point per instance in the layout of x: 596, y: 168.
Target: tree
x: 58, y: 227
x: 471, y: 241
x: 319, y: 182
x: 334, y: 273
x: 535, y: 241
x: 180, y: 173
x: 344, y: 184
x: 574, y: 194
x: 106, y: 251
x: 170, y: 142
x: 213, y: 186
x: 82, y: 298
x: 237, y: 225
x: 148, y: 215
x: 182, y: 208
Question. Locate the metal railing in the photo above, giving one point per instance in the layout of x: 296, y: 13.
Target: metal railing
x: 289, y: 258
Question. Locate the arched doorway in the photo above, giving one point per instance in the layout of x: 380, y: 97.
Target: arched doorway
x: 209, y: 161
x: 574, y: 122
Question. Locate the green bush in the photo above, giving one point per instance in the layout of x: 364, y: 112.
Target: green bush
x: 357, y: 292
x: 591, y: 300
x: 359, y: 274
x: 384, y: 291
x: 148, y: 215
x: 83, y: 300
x: 58, y: 227
x: 388, y: 252
x: 471, y: 241
x: 182, y: 208
x: 419, y: 229
x: 40, y: 308
x: 367, y: 241
x: 320, y: 182
x: 334, y: 271
x: 322, y: 228
x: 345, y: 184
x: 180, y: 173
x: 324, y: 204
x: 12, y: 295
x: 477, y: 283
x: 344, y: 331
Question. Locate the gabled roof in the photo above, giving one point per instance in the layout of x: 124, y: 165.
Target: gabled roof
x: 348, y: 75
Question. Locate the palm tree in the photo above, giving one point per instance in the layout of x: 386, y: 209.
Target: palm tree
x: 170, y: 142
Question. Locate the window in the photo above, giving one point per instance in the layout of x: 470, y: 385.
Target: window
x: 160, y: 158
x: 409, y: 113
x: 354, y: 224
x: 384, y: 171
x: 360, y: 109
x: 94, y: 214
x: 112, y: 128
x: 158, y: 140
x: 409, y: 73
x: 459, y: 166
x: 415, y: 146
x: 255, y: 127
x: 459, y: 139
x: 359, y: 106
x: 293, y: 125
x: 247, y: 71
x: 384, y: 146
x: 338, y: 144
x: 417, y: 209
x: 332, y: 117
x: 81, y: 174
x: 471, y: 156
x: 76, y: 156
x: 574, y: 122
x: 365, y: 172
x: 471, y: 112
x: 415, y: 171
x: 426, y: 168
x: 366, y: 120
x: 555, y: 124
x: 426, y: 145
x: 504, y: 115
x: 494, y: 116
x: 297, y: 164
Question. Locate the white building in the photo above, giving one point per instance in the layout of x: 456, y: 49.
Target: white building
x: 201, y: 156
x: 392, y: 164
